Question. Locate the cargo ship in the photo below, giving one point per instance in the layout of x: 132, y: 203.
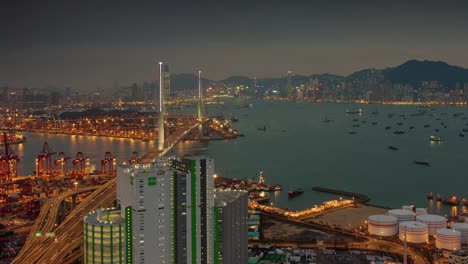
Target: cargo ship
x: 14, y: 139
x: 295, y: 193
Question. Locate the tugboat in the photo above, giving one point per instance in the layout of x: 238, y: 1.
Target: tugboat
x: 295, y: 193
x: 426, y: 163
x: 451, y: 201
x: 436, y: 139
x: 430, y: 196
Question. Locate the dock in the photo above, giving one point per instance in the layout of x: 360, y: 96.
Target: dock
x: 358, y: 197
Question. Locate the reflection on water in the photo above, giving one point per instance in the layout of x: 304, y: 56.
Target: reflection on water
x: 454, y: 210
x: 276, y: 194
x: 191, y: 148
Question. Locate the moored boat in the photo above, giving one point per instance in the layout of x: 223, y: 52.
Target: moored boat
x: 295, y: 193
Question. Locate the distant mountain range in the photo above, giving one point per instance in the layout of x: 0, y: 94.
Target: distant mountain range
x: 412, y: 72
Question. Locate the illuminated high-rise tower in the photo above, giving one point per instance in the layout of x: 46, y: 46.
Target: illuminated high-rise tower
x: 168, y: 211
x: 166, y: 75
x: 161, y: 109
x: 200, y: 100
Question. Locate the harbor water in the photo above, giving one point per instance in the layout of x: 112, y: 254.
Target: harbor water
x: 302, y: 145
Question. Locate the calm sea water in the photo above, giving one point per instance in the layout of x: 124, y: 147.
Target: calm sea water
x: 299, y: 150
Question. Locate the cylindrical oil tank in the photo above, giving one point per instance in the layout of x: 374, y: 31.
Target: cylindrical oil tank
x: 463, y: 228
x: 433, y: 222
x: 382, y: 225
x: 416, y: 232
x: 448, y: 239
x: 402, y: 215
x: 421, y: 211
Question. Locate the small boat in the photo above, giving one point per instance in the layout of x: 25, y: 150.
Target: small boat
x: 436, y: 130
x: 374, y: 123
x: 145, y: 139
x: 436, y: 139
x: 465, y: 130
x: 398, y: 132
x: 355, y: 119
x: 351, y: 132
x: 262, y: 128
x: 375, y: 112
x: 425, y: 163
x: 461, y: 135
x: 427, y: 125
x: 363, y: 121
x: 356, y: 125
x: 388, y: 127
x: 283, y: 130
x: 399, y: 123
x: 359, y: 111
x: 275, y: 187
x: 392, y: 148
x: 326, y: 120
x: 430, y: 196
x: 411, y: 127
x: 295, y: 193
x: 234, y: 119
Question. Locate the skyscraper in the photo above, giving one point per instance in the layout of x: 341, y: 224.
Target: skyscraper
x: 166, y: 75
x: 168, y: 210
x: 230, y: 230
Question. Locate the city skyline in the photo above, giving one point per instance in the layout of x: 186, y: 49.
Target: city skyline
x: 85, y: 46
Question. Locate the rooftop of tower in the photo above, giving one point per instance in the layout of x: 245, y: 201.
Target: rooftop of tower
x: 224, y: 197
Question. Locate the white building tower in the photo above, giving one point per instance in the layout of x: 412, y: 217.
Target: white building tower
x: 200, y: 102
x: 161, y: 110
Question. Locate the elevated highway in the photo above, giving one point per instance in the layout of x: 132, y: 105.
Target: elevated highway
x: 64, y: 247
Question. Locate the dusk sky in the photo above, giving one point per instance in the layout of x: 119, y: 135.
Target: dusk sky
x: 84, y: 45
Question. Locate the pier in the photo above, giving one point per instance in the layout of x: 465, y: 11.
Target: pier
x: 358, y: 197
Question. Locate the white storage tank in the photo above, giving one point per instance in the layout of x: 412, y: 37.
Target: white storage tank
x: 416, y: 232
x: 463, y: 228
x: 448, y: 239
x: 382, y: 225
x: 402, y: 215
x: 407, y: 207
x: 434, y: 222
x: 421, y: 211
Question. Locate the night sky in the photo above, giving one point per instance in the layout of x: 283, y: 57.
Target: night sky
x: 85, y: 45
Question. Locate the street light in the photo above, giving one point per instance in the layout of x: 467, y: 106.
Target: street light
x: 76, y: 184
